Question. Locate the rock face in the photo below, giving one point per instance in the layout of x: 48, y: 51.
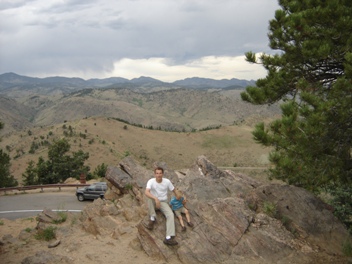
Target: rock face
x: 236, y: 219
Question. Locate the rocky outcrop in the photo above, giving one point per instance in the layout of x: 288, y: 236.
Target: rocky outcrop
x: 237, y: 219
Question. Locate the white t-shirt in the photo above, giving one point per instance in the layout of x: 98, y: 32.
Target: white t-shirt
x: 159, y: 190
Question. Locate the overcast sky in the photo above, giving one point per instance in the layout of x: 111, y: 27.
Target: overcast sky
x: 164, y: 39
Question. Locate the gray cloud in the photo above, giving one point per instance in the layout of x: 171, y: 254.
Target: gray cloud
x: 42, y: 38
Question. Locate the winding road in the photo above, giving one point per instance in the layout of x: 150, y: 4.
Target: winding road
x: 25, y: 205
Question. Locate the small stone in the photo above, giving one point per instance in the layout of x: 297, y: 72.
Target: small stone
x: 54, y: 244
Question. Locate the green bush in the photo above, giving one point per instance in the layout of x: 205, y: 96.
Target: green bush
x: 100, y: 171
x: 63, y: 217
x: 47, y: 234
x: 129, y: 186
x: 342, y: 202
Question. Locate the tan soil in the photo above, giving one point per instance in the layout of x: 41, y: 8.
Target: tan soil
x: 76, y: 244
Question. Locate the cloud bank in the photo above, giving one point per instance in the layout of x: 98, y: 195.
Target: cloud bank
x: 164, y: 39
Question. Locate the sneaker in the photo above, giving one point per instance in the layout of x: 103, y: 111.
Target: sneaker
x: 170, y: 242
x: 149, y: 225
x: 190, y: 224
x: 183, y: 229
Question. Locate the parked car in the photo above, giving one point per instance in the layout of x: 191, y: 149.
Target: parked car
x: 94, y: 191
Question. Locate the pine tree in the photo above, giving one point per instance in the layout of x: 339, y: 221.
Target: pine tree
x: 58, y: 167
x: 311, y: 76
x: 6, y: 179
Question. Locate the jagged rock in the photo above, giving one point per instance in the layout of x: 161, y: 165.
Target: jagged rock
x: 306, y: 215
x: 9, y: 239
x: 232, y: 224
x: 24, y: 235
x: 118, y: 178
x: 48, y: 216
x: 96, y: 220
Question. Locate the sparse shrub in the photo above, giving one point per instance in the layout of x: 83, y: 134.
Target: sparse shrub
x: 125, y: 127
x: 128, y: 186
x: 63, y: 217
x: 74, y: 220
x: 34, y: 147
x: 210, y: 128
x: 126, y: 153
x: 342, y: 203
x: 29, y: 132
x: 46, y: 234
x: 252, y: 206
x: 269, y: 209
x: 287, y: 223
x: 90, y: 142
x: 347, y: 248
x: 28, y: 229
x: 100, y: 170
x: 1, y: 222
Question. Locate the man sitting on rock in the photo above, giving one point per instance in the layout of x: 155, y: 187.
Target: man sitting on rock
x: 157, y: 192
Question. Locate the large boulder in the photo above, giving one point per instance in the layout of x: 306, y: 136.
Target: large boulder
x: 237, y: 219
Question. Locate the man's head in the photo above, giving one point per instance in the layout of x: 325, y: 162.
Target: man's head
x: 158, y: 173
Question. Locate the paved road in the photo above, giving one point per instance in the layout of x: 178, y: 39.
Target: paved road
x: 31, y: 204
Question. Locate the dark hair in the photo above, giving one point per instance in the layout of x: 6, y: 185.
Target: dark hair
x: 159, y: 168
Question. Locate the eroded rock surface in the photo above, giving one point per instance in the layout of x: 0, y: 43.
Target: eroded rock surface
x: 236, y: 218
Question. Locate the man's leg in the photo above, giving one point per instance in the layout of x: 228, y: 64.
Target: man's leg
x: 151, y: 213
x: 151, y: 208
x: 170, y: 221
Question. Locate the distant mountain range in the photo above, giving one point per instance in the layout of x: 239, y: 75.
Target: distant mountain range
x: 10, y: 81
x: 184, y: 105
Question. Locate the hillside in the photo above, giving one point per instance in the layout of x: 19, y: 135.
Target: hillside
x: 108, y: 141
x: 178, y: 109
x: 35, y: 110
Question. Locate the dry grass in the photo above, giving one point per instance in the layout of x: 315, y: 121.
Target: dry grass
x: 108, y: 141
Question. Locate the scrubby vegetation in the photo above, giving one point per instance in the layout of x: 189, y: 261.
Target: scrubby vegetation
x: 311, y: 76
